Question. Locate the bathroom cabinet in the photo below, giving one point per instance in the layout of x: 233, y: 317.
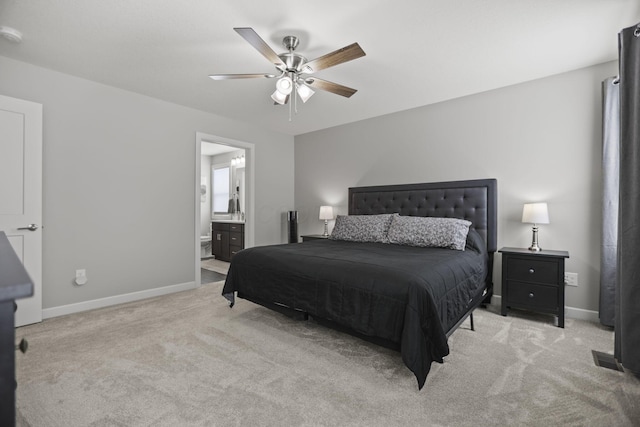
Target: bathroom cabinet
x: 227, y: 239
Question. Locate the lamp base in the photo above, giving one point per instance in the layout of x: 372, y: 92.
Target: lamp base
x: 534, y: 242
x: 326, y: 228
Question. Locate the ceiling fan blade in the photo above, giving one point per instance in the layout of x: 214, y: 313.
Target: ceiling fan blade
x: 348, y: 53
x: 330, y: 87
x: 254, y: 40
x: 239, y: 76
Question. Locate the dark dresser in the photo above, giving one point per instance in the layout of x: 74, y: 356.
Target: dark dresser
x: 533, y: 281
x: 14, y: 284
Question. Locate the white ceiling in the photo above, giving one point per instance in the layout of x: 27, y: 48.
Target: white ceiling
x: 419, y: 52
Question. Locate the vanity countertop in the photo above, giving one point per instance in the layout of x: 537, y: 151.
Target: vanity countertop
x: 228, y: 221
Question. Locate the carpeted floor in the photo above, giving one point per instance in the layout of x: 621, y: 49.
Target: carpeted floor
x: 188, y: 360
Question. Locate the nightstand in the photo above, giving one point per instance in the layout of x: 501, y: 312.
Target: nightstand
x: 310, y: 237
x: 533, y: 281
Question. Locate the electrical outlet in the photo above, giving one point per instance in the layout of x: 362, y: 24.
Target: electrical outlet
x: 81, y: 277
x: 571, y: 279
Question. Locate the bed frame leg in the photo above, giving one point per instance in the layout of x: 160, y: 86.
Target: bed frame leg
x: 471, y: 320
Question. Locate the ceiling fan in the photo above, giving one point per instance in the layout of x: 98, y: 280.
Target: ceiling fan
x: 294, y: 70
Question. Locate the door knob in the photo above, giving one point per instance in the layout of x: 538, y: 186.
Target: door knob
x: 30, y: 227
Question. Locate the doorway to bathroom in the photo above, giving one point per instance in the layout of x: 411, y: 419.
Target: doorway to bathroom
x: 224, y: 220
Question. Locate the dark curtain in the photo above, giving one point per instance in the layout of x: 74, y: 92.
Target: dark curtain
x: 627, y: 327
x: 610, y: 176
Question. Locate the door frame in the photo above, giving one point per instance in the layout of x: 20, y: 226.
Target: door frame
x: 249, y: 221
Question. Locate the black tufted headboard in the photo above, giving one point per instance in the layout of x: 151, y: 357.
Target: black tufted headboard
x: 474, y: 200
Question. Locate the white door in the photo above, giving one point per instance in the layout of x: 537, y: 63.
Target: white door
x: 21, y: 193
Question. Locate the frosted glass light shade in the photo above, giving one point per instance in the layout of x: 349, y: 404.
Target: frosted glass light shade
x: 305, y: 92
x: 279, y: 97
x: 535, y: 213
x: 284, y: 85
x: 326, y: 213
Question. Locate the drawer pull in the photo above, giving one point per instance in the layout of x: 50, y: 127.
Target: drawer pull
x: 531, y: 271
x: 531, y: 295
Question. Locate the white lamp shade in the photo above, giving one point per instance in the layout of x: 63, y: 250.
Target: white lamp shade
x: 326, y: 212
x: 535, y: 213
x: 305, y: 92
x: 279, y: 97
x: 284, y: 85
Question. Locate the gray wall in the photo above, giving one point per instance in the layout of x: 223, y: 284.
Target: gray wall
x: 119, y: 183
x: 541, y: 140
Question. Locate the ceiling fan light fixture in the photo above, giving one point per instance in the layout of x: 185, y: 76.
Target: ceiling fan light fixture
x: 284, y: 85
x: 305, y: 92
x: 292, y: 68
x: 279, y: 97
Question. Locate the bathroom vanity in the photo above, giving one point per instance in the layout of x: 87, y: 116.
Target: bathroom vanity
x: 227, y: 238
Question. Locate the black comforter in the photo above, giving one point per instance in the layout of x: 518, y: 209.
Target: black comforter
x: 407, y: 295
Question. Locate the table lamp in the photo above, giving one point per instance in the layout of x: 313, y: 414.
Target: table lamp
x: 326, y: 213
x: 535, y: 213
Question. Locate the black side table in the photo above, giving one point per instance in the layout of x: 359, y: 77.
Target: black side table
x: 533, y: 281
x: 310, y: 237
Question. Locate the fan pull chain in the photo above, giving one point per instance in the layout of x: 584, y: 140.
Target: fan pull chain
x: 293, y: 93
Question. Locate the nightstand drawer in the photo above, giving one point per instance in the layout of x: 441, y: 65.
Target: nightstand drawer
x: 532, y: 270
x: 534, y: 296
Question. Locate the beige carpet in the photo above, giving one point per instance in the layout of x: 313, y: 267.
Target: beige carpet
x: 188, y: 360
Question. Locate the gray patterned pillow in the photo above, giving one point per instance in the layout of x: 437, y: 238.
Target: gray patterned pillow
x: 450, y: 233
x: 362, y: 228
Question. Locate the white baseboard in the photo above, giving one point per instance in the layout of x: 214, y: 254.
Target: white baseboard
x: 63, y: 310
x: 582, y: 314
x: 572, y: 312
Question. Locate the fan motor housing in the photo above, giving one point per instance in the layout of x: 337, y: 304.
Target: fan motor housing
x: 290, y: 42
x: 293, y: 62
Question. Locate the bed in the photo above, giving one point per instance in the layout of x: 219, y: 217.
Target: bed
x: 392, y: 292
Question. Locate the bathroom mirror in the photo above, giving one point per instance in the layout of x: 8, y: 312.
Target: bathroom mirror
x: 228, y: 186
